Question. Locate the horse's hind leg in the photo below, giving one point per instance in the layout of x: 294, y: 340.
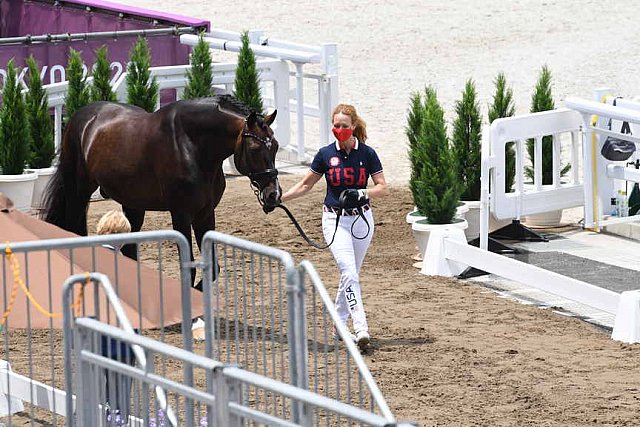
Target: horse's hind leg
x: 182, y: 223
x: 136, y: 219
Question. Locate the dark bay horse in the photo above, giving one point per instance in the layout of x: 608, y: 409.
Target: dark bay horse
x: 169, y: 160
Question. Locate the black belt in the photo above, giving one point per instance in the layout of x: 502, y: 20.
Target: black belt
x: 348, y: 212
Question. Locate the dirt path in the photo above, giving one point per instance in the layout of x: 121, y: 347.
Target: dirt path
x: 447, y: 352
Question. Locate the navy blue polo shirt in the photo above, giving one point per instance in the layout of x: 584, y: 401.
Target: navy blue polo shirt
x: 343, y: 171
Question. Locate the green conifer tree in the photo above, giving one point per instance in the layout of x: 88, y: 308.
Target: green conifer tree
x: 42, y: 150
x: 14, y: 126
x: 142, y: 89
x: 467, y: 132
x: 200, y: 77
x: 435, y: 187
x: 247, y: 83
x: 101, y: 87
x: 78, y: 94
x: 542, y: 100
x: 503, y: 106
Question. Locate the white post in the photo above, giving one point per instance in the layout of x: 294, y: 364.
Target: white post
x: 300, y: 110
x: 588, y: 180
x: 330, y: 97
x: 485, y: 172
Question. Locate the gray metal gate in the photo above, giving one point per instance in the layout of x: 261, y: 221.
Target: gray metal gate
x: 32, y: 330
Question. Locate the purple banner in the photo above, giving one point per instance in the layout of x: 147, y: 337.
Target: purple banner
x: 27, y: 17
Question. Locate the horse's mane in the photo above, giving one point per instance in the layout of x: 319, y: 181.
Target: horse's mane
x: 232, y: 103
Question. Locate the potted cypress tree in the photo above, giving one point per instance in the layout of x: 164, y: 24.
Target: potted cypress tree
x: 142, y: 89
x: 14, y: 143
x: 42, y: 147
x: 467, y: 133
x: 78, y: 94
x: 247, y: 81
x: 502, y: 106
x: 412, y: 130
x: 434, y: 184
x: 542, y: 100
x: 200, y: 76
x: 101, y: 89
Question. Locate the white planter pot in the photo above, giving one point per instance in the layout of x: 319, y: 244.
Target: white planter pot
x: 545, y: 219
x: 473, y: 219
x: 421, y: 230
x: 414, y: 216
x: 44, y: 176
x: 462, y: 210
x: 19, y: 188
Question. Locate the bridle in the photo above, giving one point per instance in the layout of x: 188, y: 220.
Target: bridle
x: 256, y: 177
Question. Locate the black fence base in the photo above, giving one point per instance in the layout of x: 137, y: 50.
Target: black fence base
x: 517, y: 231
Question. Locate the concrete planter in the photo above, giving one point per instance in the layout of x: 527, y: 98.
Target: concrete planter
x: 44, y: 176
x: 545, y: 219
x: 19, y: 188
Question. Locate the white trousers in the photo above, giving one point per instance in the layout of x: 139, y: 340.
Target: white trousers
x: 349, y: 252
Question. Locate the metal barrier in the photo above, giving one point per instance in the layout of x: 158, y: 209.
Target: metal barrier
x: 267, y: 319
x: 336, y: 367
x: 32, y: 326
x: 221, y: 398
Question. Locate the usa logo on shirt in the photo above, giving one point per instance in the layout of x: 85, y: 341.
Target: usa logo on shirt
x: 334, y: 161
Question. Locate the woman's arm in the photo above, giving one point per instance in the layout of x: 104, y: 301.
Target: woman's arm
x: 302, y: 187
x: 379, y: 188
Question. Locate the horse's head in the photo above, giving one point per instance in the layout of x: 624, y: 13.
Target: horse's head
x: 255, y: 157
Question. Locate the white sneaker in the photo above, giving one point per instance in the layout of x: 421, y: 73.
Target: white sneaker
x: 362, y: 339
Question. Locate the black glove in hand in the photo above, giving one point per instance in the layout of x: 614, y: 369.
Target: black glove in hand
x: 352, y: 198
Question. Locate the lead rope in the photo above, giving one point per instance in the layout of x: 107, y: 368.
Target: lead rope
x: 304, y: 235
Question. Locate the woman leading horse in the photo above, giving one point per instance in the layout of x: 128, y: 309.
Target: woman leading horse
x: 169, y: 160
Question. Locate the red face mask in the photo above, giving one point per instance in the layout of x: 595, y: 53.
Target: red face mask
x: 342, y: 134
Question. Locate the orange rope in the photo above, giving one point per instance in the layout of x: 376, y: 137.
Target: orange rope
x: 14, y: 265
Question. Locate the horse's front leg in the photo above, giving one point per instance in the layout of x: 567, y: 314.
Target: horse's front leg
x: 136, y: 219
x: 204, y: 222
x: 181, y: 222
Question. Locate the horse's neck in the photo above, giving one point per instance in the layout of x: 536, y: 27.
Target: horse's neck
x: 211, y: 133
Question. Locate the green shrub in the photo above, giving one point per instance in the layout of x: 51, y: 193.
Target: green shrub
x: 78, y: 94
x: 247, y: 83
x: 101, y: 87
x: 542, y: 100
x: 142, y: 89
x: 467, y: 132
x: 503, y: 106
x: 14, y: 126
x: 200, y: 77
x: 42, y: 148
x: 433, y: 183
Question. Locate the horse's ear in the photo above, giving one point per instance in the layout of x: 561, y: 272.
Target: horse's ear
x: 252, y: 118
x: 270, y: 118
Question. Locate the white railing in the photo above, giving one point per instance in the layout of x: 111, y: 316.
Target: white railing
x: 599, y: 173
x: 298, y: 55
x: 536, y: 198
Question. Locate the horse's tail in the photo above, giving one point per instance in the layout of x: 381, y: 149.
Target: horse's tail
x: 62, y: 204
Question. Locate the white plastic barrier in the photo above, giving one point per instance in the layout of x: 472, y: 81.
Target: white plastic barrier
x: 537, y: 198
x: 599, y: 173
